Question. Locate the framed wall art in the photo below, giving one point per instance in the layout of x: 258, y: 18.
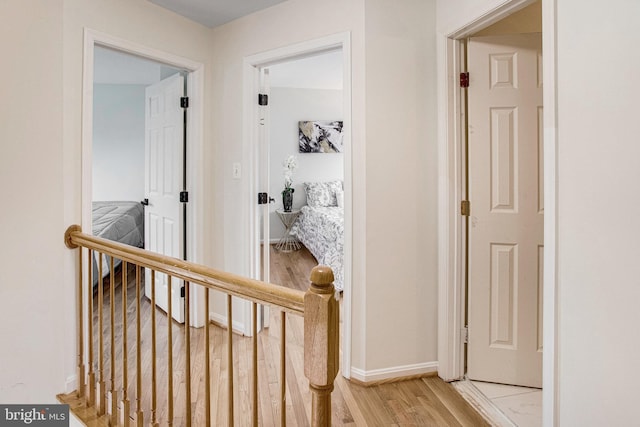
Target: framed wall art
x: 320, y: 137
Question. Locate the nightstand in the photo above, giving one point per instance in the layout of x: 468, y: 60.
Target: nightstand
x: 288, y: 243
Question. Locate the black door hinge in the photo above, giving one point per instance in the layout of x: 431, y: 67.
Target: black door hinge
x: 184, y: 102
x: 263, y: 198
x: 464, y: 79
x: 263, y: 99
x: 184, y: 197
x: 182, y: 292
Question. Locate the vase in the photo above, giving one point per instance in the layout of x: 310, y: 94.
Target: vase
x: 287, y: 199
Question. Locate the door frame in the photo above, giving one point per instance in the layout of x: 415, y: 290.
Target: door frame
x: 195, y: 89
x: 251, y: 84
x: 451, y: 225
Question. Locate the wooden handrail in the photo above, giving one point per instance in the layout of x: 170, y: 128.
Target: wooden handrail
x: 318, y: 306
x: 290, y: 300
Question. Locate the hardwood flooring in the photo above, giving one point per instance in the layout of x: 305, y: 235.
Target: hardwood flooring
x: 418, y: 402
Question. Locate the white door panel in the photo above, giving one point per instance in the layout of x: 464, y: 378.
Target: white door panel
x: 163, y: 183
x: 506, y: 229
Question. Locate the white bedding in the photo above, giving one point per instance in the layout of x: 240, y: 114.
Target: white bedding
x: 321, y: 230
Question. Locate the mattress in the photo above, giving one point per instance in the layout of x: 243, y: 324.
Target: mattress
x: 120, y: 221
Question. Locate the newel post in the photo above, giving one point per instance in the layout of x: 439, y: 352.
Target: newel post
x: 321, y: 317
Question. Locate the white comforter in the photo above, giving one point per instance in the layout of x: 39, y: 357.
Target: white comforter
x: 321, y: 230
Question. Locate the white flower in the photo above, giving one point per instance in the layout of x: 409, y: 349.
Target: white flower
x: 290, y: 164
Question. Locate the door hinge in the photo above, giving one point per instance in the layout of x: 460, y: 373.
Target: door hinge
x: 465, y: 208
x: 182, y: 292
x: 184, y: 102
x: 465, y: 335
x: 263, y: 198
x: 184, y: 196
x: 464, y: 79
x: 263, y: 99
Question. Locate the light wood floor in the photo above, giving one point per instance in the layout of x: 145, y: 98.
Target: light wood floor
x: 418, y: 402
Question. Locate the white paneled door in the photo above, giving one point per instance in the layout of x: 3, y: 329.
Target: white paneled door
x: 164, y: 145
x: 506, y: 223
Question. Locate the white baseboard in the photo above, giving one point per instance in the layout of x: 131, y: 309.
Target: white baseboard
x: 394, y: 372
x: 238, y: 327
x: 71, y: 384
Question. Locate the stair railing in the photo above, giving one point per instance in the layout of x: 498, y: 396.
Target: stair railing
x: 120, y: 393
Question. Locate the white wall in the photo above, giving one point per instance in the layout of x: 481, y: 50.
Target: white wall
x: 401, y: 187
x: 287, y: 107
x: 118, y: 142
x: 32, y: 290
x: 598, y: 228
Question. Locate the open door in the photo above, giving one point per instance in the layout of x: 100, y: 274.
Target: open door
x: 164, y: 166
x: 263, y: 176
x: 506, y: 223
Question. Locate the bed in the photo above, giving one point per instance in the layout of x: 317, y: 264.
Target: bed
x: 121, y: 221
x: 320, y: 226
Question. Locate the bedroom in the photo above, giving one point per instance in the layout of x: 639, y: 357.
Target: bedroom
x: 308, y: 89
x: 118, y: 148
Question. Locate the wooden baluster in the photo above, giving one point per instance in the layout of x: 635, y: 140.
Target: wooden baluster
x: 207, y: 361
x: 139, y: 413
x: 321, y: 317
x: 283, y: 369
x: 187, y: 349
x: 113, y: 393
x: 91, y: 380
x: 125, y: 408
x: 101, y: 392
x: 254, y: 370
x: 154, y: 384
x: 230, y: 355
x: 80, y: 328
x: 169, y: 355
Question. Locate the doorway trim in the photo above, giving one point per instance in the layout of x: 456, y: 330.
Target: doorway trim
x: 195, y: 88
x: 251, y: 70
x: 451, y: 230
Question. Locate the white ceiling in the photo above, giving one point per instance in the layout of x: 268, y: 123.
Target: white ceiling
x: 213, y: 13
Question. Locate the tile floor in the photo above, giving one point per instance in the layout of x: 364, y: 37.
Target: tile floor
x: 522, y: 405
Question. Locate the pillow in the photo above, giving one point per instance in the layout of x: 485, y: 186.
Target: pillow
x: 340, y: 198
x: 321, y: 194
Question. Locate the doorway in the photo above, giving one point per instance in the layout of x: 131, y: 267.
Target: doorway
x: 138, y: 160
x: 257, y: 119
x: 505, y: 226
x: 166, y: 65
x: 300, y: 90
x: 455, y: 236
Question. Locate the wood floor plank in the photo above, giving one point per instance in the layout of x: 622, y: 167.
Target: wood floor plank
x: 455, y: 403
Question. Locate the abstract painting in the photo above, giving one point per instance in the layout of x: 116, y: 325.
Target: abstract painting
x: 320, y: 137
